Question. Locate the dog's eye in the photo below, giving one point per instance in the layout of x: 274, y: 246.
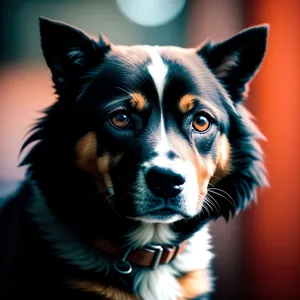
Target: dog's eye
x: 120, y: 120
x: 201, y: 122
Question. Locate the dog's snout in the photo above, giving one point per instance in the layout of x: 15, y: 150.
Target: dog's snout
x: 164, y: 182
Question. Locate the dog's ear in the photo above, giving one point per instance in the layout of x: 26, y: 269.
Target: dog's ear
x: 69, y: 52
x: 236, y: 60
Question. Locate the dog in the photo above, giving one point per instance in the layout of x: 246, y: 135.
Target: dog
x: 143, y: 147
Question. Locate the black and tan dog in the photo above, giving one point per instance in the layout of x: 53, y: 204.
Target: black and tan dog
x: 144, y: 146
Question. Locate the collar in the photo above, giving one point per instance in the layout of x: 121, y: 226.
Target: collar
x: 149, y: 256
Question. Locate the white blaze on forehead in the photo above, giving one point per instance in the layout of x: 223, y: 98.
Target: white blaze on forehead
x: 158, y: 71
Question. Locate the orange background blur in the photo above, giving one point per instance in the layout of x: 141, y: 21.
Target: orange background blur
x: 258, y: 253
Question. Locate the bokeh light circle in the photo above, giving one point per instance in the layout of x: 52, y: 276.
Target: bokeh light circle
x: 151, y: 13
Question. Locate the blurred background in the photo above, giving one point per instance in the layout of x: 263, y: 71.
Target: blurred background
x: 257, y: 253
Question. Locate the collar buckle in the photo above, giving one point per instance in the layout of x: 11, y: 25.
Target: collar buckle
x: 158, y: 251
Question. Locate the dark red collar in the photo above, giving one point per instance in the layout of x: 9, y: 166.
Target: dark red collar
x: 150, y: 256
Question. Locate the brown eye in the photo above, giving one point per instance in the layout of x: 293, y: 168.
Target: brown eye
x: 201, y: 123
x: 120, y: 120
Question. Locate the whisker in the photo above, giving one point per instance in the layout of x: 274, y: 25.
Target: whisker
x: 205, y: 208
x: 105, y: 189
x: 210, y: 197
x: 125, y: 91
x: 222, y: 191
x: 107, y: 198
x: 208, y: 204
x: 230, y: 199
x: 214, y: 202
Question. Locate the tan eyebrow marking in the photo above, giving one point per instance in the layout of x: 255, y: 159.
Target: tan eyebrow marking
x: 186, y: 103
x: 138, y: 101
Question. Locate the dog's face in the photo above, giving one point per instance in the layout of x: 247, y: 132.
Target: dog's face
x: 157, y: 122
x: 159, y: 125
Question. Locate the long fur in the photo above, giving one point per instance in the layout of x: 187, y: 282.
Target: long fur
x: 50, y: 222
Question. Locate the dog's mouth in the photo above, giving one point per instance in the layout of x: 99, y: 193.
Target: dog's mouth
x: 163, y: 212
x: 161, y: 215
x: 166, y: 211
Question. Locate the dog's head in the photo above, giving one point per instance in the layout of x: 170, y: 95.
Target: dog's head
x: 162, y: 132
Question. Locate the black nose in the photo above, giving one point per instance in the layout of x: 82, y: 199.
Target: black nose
x: 164, y: 182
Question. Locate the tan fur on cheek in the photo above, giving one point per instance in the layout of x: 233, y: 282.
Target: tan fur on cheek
x: 87, y: 160
x: 103, y: 167
x: 108, y: 292
x: 204, y: 167
x: 86, y: 151
x: 222, y: 161
x: 195, y: 283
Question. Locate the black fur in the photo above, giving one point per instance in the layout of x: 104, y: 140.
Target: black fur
x: 87, y: 75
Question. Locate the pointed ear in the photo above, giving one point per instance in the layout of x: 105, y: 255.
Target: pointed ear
x: 68, y: 51
x: 236, y: 60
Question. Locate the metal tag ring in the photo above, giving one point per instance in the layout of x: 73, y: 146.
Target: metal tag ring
x: 122, y: 266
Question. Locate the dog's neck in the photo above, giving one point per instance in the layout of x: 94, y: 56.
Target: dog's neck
x: 141, y: 236
x: 68, y: 247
